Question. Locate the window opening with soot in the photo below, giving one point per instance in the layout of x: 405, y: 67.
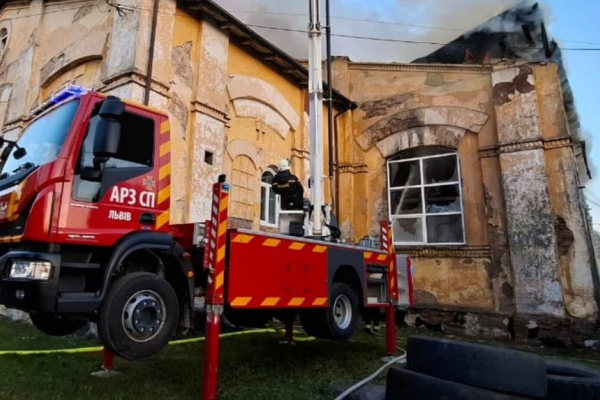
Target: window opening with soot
x: 425, y: 197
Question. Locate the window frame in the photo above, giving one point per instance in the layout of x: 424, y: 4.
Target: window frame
x: 123, y: 173
x: 422, y: 186
x: 268, y: 189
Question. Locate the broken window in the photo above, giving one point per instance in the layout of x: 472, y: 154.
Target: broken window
x: 268, y: 200
x: 425, y: 197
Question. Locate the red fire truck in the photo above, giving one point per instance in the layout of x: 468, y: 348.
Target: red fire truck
x: 85, y: 236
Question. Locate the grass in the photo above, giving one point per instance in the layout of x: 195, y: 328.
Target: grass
x: 252, y: 366
x: 22, y: 336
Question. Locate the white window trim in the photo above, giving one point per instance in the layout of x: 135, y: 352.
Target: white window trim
x: 269, y: 188
x: 422, y: 186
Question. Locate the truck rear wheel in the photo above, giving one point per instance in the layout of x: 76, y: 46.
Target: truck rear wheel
x: 338, y: 320
x: 138, y: 316
x: 55, y: 325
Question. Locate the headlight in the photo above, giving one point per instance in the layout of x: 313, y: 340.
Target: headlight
x: 35, y: 270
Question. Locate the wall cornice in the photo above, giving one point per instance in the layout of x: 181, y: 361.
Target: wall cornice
x: 207, y: 109
x: 135, y: 76
x: 420, y: 67
x: 513, y: 147
x: 445, y: 252
x: 353, y: 168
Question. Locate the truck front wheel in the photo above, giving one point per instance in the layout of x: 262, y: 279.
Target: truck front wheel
x: 138, y: 316
x: 55, y: 325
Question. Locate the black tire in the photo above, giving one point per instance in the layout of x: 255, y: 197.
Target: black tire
x: 331, y: 323
x: 55, y: 325
x: 144, y: 294
x: 404, y: 384
x: 486, y: 367
x: 572, y: 381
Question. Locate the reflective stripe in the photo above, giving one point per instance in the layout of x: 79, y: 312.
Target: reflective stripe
x: 296, y: 301
x: 270, y: 301
x: 241, y: 301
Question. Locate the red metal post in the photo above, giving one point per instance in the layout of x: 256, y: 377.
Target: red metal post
x: 216, y: 246
x: 390, y: 330
x: 211, y: 355
x: 108, y: 360
x: 387, y: 245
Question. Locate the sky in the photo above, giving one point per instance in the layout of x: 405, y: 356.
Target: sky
x: 573, y: 23
x: 578, y: 21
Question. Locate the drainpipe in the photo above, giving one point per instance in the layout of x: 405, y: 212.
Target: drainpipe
x: 337, y: 158
x: 151, y: 52
x: 329, y: 89
x: 337, y: 164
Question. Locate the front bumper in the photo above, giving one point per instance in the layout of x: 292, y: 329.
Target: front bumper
x: 29, y: 295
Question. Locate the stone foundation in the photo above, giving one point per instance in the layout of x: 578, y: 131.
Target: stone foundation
x: 562, y: 332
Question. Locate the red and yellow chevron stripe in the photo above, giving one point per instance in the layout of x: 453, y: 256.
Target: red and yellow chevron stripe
x: 376, y: 257
x: 277, y: 302
x: 279, y: 243
x: 217, y: 242
x: 387, y: 245
x: 164, y: 175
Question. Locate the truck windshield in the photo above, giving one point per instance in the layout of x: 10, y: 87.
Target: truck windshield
x: 42, y: 139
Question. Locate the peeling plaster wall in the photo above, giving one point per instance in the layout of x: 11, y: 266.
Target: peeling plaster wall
x: 208, y: 130
x: 531, y: 234
x: 574, y: 263
x: 267, y: 123
x: 526, y: 246
x: 532, y: 238
x: 403, y: 107
x: 35, y: 66
x: 452, y: 282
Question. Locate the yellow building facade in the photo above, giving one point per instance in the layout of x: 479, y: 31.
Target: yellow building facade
x: 473, y: 164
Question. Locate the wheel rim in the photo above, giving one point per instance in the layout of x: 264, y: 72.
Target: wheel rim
x: 144, y: 316
x: 342, y: 312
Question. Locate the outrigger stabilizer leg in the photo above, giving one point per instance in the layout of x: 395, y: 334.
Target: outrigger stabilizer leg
x: 214, y: 262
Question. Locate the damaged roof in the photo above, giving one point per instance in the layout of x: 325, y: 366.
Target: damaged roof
x: 517, y: 34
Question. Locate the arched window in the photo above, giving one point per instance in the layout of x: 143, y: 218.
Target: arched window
x: 3, y: 41
x: 268, y: 200
x: 425, y: 197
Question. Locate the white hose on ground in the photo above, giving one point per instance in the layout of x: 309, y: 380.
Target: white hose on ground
x: 375, y: 374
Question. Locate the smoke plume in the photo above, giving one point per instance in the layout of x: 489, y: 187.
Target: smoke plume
x: 437, y: 21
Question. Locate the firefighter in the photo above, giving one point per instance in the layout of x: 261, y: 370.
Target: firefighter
x: 288, y: 186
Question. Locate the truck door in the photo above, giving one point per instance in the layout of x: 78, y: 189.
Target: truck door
x: 125, y: 198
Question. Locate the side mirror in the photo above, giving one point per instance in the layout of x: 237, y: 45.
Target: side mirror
x: 112, y: 108
x: 106, y: 128
x: 107, y: 135
x: 19, y: 153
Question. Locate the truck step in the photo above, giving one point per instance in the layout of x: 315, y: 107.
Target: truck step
x: 67, y: 296
x: 80, y: 265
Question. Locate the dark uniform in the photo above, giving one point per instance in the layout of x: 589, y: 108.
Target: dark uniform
x: 288, y: 186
